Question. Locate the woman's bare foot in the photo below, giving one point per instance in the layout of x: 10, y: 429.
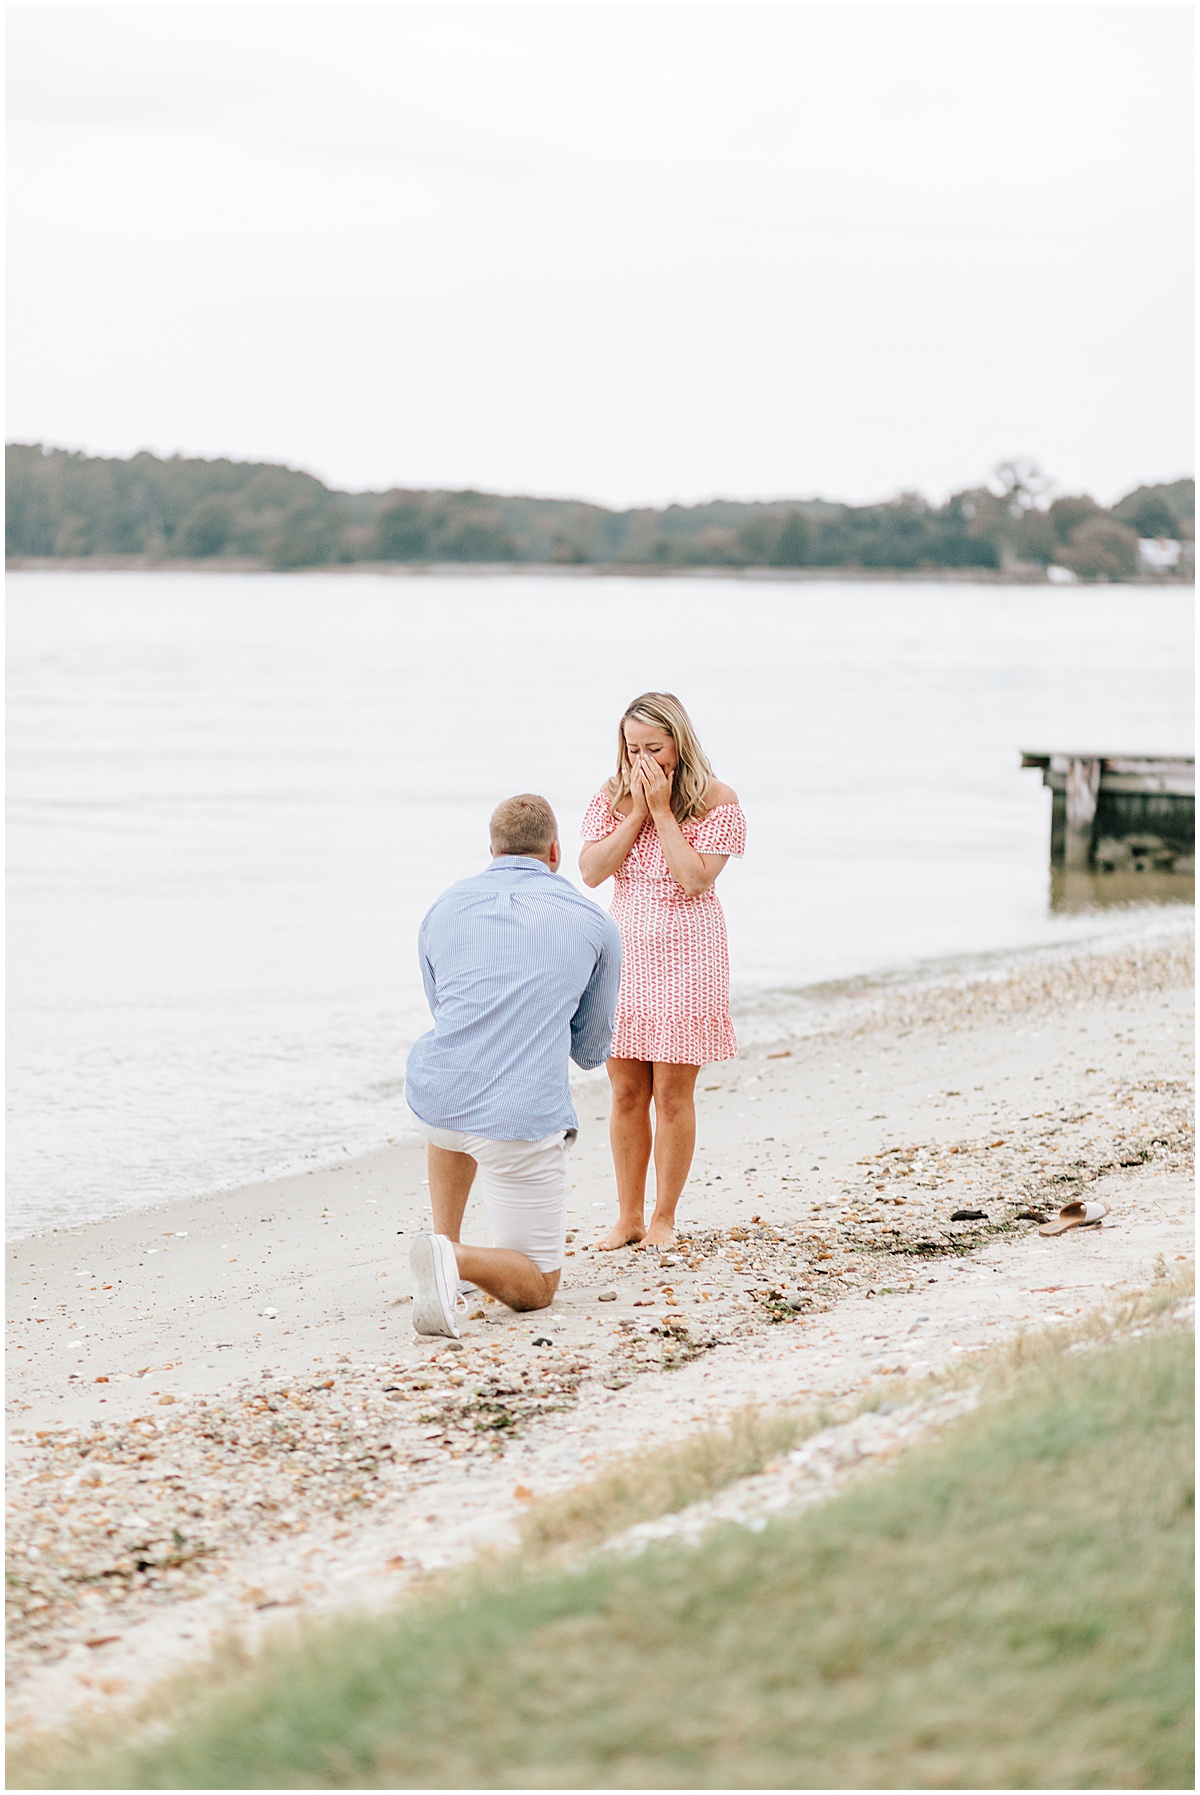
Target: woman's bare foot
x: 625, y: 1234
x: 659, y: 1234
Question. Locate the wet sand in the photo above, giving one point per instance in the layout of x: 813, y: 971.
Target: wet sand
x: 219, y: 1415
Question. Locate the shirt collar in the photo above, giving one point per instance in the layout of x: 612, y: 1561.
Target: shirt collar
x: 524, y: 860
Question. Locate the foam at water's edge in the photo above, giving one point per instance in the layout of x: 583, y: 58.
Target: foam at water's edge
x: 766, y: 1018
x: 777, y: 1012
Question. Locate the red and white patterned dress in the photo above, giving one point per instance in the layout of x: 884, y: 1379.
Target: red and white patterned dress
x: 674, y: 998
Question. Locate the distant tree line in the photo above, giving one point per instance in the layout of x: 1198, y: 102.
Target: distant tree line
x: 66, y: 505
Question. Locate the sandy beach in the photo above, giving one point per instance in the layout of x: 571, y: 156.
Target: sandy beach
x: 264, y: 1437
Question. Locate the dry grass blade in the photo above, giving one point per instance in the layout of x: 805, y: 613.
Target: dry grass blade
x: 646, y: 1485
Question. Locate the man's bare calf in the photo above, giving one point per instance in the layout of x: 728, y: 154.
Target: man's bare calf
x: 510, y: 1277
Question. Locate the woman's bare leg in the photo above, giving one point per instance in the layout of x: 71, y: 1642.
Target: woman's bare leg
x: 674, y: 1144
x: 629, y: 1133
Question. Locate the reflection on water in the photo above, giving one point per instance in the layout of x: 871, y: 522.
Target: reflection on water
x: 1074, y: 889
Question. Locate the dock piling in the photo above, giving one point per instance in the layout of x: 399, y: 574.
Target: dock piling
x: 1120, y: 812
x: 1079, y: 803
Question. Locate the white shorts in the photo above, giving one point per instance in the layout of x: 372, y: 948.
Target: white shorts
x: 524, y: 1185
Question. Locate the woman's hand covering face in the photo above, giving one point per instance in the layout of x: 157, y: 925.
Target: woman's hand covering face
x: 654, y: 784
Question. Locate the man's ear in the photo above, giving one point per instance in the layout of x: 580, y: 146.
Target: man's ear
x: 554, y: 857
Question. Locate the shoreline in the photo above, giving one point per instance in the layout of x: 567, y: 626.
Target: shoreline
x: 764, y: 1018
x: 768, y: 1016
x: 981, y: 576
x: 264, y: 1437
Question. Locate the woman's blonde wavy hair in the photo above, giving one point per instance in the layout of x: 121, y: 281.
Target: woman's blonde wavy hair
x: 693, y: 775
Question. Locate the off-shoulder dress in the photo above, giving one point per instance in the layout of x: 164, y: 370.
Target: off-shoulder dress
x: 674, y: 999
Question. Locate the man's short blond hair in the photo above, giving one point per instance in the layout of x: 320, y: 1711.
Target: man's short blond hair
x: 523, y: 825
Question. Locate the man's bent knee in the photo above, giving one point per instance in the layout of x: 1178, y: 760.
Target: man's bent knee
x: 542, y: 1301
x: 526, y: 1306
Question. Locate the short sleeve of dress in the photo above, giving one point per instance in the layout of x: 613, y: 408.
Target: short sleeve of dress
x: 722, y: 831
x: 598, y: 819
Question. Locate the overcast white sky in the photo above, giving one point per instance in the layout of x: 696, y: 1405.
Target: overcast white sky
x: 630, y: 253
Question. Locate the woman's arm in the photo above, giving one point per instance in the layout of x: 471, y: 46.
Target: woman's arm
x: 599, y: 860
x: 694, y: 871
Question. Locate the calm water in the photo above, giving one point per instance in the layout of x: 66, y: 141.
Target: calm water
x: 234, y: 797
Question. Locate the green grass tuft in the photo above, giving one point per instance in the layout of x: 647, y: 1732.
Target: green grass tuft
x: 1008, y: 1608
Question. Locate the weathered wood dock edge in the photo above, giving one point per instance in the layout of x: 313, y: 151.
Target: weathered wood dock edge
x: 1120, y: 812
x: 596, y: 570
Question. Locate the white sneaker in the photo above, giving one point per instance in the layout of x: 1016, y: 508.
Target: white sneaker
x: 436, y: 1302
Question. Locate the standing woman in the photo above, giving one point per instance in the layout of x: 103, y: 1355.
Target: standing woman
x: 662, y: 829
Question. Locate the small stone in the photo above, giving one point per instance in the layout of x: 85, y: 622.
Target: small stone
x: 607, y: 1296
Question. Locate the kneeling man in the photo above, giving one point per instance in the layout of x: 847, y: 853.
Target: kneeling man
x: 521, y: 972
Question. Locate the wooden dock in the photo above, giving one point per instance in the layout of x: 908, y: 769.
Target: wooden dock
x: 1121, y: 812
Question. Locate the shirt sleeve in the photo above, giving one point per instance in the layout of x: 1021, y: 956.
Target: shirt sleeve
x: 598, y: 819
x: 428, y: 977
x: 722, y: 831
x: 592, y: 1023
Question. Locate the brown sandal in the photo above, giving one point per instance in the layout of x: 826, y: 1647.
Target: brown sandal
x: 1076, y: 1215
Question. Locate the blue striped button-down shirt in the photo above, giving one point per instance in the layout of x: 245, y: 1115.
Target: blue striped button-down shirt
x: 521, y: 971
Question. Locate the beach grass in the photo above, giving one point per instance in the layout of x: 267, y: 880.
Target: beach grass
x: 1009, y: 1607
x: 646, y: 1485
x: 643, y: 1486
